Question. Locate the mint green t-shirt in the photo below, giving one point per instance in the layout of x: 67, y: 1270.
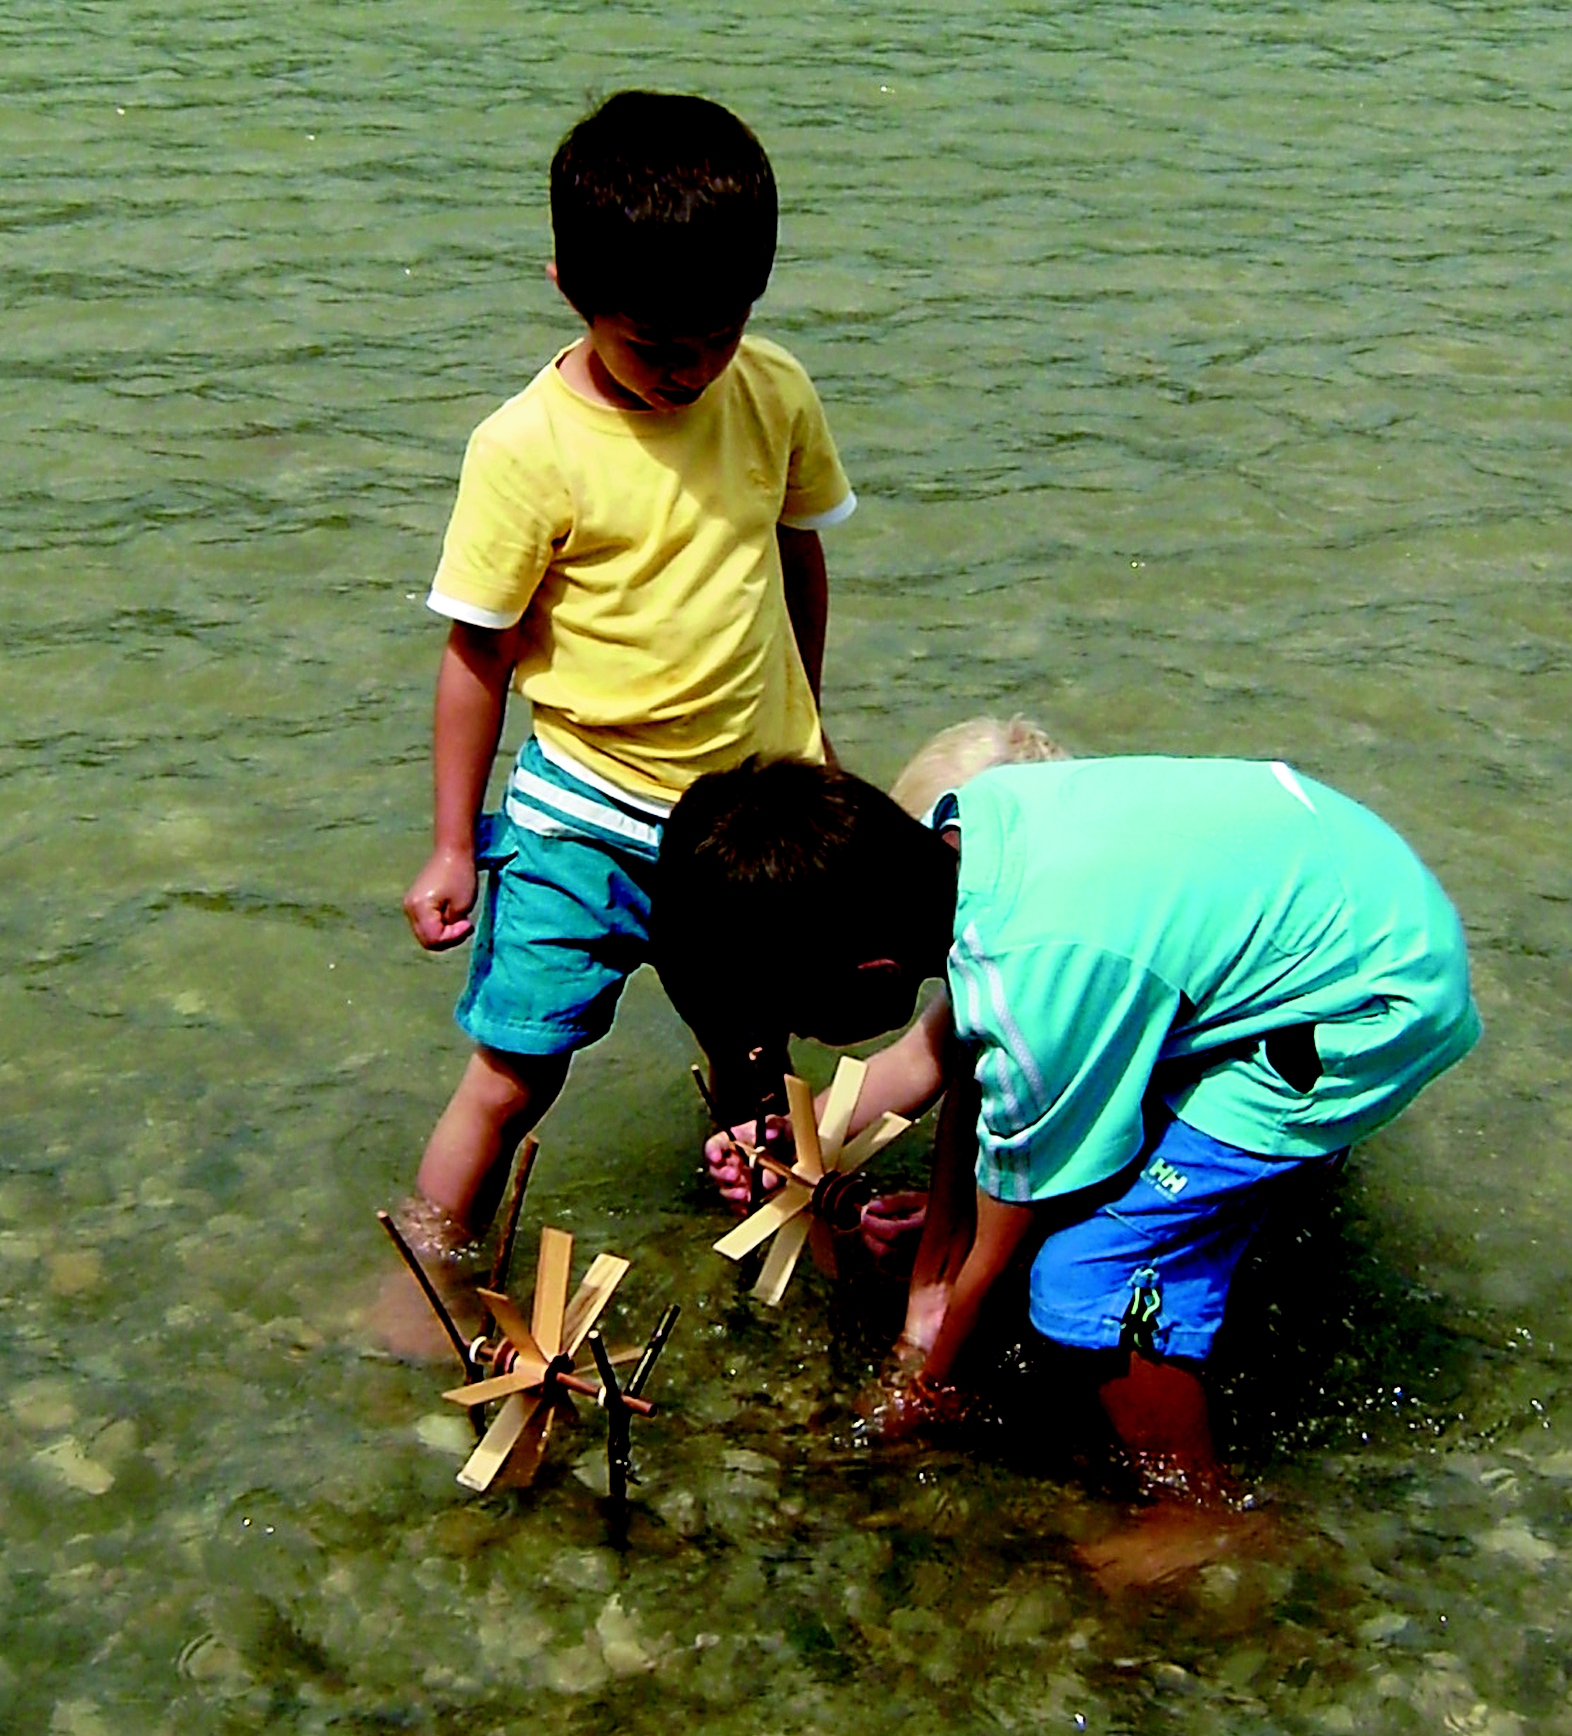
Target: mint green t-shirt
x: 1124, y: 918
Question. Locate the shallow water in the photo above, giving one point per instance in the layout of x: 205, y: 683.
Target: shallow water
x: 1204, y: 373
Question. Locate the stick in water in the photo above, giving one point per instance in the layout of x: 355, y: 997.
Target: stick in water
x: 418, y: 1272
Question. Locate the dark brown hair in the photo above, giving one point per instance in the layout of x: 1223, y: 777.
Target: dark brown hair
x: 776, y: 868
x: 663, y: 209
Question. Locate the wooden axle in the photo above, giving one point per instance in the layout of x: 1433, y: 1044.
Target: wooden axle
x: 838, y: 1196
x: 504, y: 1358
x: 821, y: 1184
x: 838, y: 1199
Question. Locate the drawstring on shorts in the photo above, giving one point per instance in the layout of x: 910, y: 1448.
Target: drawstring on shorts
x: 1138, y: 1328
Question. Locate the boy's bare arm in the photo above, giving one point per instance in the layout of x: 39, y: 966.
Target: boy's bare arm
x: 950, y: 1225
x: 909, y: 1075
x: 1001, y: 1228
x: 472, y: 690
x: 807, y: 596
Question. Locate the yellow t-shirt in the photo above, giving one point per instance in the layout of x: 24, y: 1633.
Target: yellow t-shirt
x: 639, y: 549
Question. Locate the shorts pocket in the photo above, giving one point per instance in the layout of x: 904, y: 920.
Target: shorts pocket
x: 494, y: 842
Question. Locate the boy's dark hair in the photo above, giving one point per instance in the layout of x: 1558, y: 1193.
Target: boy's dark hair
x: 663, y: 210
x: 779, y: 868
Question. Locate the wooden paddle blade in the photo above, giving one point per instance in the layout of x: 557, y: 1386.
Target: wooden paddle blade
x: 519, y: 1378
x: 872, y: 1139
x: 481, y: 1467
x: 779, y: 1209
x: 605, y: 1274
x: 804, y: 1128
x: 551, y: 1290
x: 845, y: 1089
x: 526, y: 1457
x: 511, y: 1323
x: 781, y: 1261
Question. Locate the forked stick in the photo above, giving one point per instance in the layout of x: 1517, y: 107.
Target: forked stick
x: 619, y: 1463
x: 653, y: 1349
x: 510, y: 1223
x: 755, y: 1156
x: 619, y: 1401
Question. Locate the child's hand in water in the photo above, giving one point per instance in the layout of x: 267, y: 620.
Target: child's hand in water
x: 906, y: 1401
x: 726, y: 1159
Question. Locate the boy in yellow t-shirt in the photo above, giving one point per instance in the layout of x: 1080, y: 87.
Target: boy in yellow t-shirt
x: 635, y: 549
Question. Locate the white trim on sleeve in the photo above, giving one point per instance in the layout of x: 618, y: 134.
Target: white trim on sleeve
x: 1284, y: 775
x: 824, y: 520
x: 469, y: 613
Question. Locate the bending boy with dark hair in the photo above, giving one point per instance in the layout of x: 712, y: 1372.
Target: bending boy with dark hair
x: 635, y: 549
x: 1173, y: 985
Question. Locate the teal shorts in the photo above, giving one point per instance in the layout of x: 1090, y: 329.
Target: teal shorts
x: 565, y: 917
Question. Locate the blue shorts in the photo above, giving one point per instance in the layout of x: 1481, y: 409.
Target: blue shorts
x: 1162, y: 1249
x: 565, y: 918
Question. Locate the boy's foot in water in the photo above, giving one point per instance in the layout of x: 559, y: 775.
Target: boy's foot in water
x: 1170, y: 1539
x: 402, y: 1320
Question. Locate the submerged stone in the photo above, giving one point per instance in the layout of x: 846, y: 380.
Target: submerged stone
x: 681, y: 1510
x: 583, y: 1569
x: 446, y: 1432
x: 76, y: 1272
x: 1514, y: 1540
x: 590, y: 1469
x: 579, y: 1669
x: 1384, y: 1625
x: 746, y: 1460
x: 69, y: 1464
x: 215, y: 1666
x: 44, y: 1404
x: 78, y: 1718
x: 1023, y: 1618
x: 624, y: 1648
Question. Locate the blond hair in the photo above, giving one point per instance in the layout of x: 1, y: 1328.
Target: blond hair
x: 958, y: 753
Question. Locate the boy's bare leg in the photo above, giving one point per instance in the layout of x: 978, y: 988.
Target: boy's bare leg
x: 498, y: 1100
x: 1159, y: 1412
x: 461, y: 1178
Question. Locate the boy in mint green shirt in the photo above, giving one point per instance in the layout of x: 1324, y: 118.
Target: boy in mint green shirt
x: 1128, y: 923
x: 1171, y: 985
